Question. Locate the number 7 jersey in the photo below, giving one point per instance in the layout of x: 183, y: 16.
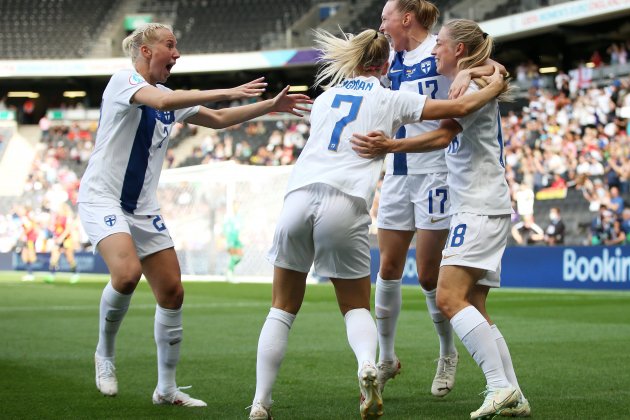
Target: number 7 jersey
x: 416, y: 71
x: 357, y: 105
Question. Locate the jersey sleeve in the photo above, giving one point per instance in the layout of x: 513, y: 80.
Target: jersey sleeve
x: 467, y: 120
x: 125, y: 84
x: 407, y: 107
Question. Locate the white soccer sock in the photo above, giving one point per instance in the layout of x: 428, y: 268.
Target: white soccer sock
x: 476, y: 335
x: 442, y: 326
x: 112, y: 310
x: 361, y: 331
x: 387, y: 304
x: 272, y: 344
x: 168, y: 333
x: 506, y: 358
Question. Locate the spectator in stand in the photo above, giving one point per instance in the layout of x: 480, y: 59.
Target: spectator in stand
x: 616, y: 203
x: 615, y: 235
x: 600, y: 226
x: 625, y: 223
x: 554, y: 233
x: 527, y: 232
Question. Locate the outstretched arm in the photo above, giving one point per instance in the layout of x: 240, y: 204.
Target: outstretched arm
x: 177, y: 99
x: 436, y: 109
x: 375, y: 143
x: 227, y: 117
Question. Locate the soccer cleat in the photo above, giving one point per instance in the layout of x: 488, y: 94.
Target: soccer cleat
x: 260, y: 412
x: 177, y: 398
x: 75, y: 278
x: 28, y: 277
x: 496, y: 400
x: 522, y: 409
x: 371, y: 405
x: 444, y: 379
x: 106, y: 381
x: 386, y: 370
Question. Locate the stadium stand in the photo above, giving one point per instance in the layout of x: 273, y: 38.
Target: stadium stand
x: 51, y: 28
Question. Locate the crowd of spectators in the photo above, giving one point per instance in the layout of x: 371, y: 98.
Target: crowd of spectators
x: 562, y: 139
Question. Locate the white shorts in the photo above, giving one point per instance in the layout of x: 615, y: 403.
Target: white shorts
x: 410, y: 202
x: 321, y: 224
x: 149, y: 233
x: 478, y: 241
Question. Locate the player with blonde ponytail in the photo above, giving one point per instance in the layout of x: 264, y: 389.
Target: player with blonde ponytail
x: 480, y: 216
x: 325, y: 217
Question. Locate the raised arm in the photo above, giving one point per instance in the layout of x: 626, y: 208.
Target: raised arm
x: 436, y: 109
x: 177, y: 99
x: 376, y: 144
x: 226, y: 117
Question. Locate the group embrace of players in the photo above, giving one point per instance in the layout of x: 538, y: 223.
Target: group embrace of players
x: 439, y: 125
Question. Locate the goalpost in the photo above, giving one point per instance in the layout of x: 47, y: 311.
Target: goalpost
x: 201, y: 204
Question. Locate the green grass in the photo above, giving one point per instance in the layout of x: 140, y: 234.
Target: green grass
x: 571, y: 351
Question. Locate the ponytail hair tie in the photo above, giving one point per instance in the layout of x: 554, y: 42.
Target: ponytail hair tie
x: 375, y: 34
x: 485, y: 35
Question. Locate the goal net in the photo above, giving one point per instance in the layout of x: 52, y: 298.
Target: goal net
x: 208, y: 207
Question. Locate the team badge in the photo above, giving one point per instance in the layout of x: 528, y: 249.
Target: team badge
x: 110, y: 220
x: 425, y: 66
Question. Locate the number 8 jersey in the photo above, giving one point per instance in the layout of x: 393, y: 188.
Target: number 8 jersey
x: 356, y: 105
x: 416, y: 71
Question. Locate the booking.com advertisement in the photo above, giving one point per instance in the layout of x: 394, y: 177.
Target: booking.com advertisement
x: 603, y: 268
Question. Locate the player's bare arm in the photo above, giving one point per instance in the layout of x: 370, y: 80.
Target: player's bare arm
x: 376, y: 143
x: 462, y: 80
x: 177, y: 99
x: 283, y: 102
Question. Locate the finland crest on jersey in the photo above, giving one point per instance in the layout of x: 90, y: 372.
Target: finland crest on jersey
x: 131, y: 143
x: 416, y: 71
x: 356, y: 105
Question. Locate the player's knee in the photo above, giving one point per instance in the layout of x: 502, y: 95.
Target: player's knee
x: 428, y: 281
x: 390, y: 269
x: 446, y: 303
x: 128, y: 276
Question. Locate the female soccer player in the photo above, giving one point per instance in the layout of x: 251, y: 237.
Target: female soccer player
x: 325, y: 216
x: 480, y: 216
x: 414, y: 197
x: 117, y: 198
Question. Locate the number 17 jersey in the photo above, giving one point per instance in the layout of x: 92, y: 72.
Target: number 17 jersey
x: 416, y: 71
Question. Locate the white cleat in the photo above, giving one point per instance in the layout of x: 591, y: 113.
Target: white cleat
x: 260, y: 412
x: 371, y: 405
x: 522, y: 409
x: 444, y: 379
x: 177, y: 398
x: 386, y: 370
x: 75, y: 278
x: 496, y: 400
x: 28, y: 277
x: 106, y: 381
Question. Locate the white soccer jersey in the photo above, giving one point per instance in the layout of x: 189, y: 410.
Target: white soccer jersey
x: 416, y: 71
x: 476, y: 170
x: 131, y: 143
x: 356, y: 105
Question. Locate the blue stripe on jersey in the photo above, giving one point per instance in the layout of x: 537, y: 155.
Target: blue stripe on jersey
x: 500, y: 138
x: 400, y: 159
x: 138, y: 160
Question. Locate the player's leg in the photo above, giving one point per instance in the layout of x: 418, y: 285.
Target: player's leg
x: 53, y: 264
x: 396, y: 227
x: 27, y: 257
x: 162, y: 271
x: 69, y: 253
x: 288, y: 291
x: 478, y: 297
x: 119, y: 253
x: 292, y: 254
x: 353, y: 297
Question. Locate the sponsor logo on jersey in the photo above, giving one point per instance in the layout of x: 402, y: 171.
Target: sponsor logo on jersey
x: 110, y: 220
x: 135, y: 79
x: 435, y: 220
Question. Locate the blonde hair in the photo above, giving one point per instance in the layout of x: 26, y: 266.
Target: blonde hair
x: 479, y: 46
x: 426, y: 13
x: 145, y: 34
x: 342, y: 57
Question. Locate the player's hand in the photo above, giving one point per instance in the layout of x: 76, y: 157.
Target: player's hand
x: 496, y: 80
x: 372, y: 144
x: 291, y: 103
x: 459, y: 85
x: 249, y: 90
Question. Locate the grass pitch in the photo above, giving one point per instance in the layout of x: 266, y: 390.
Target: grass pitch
x: 571, y: 351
